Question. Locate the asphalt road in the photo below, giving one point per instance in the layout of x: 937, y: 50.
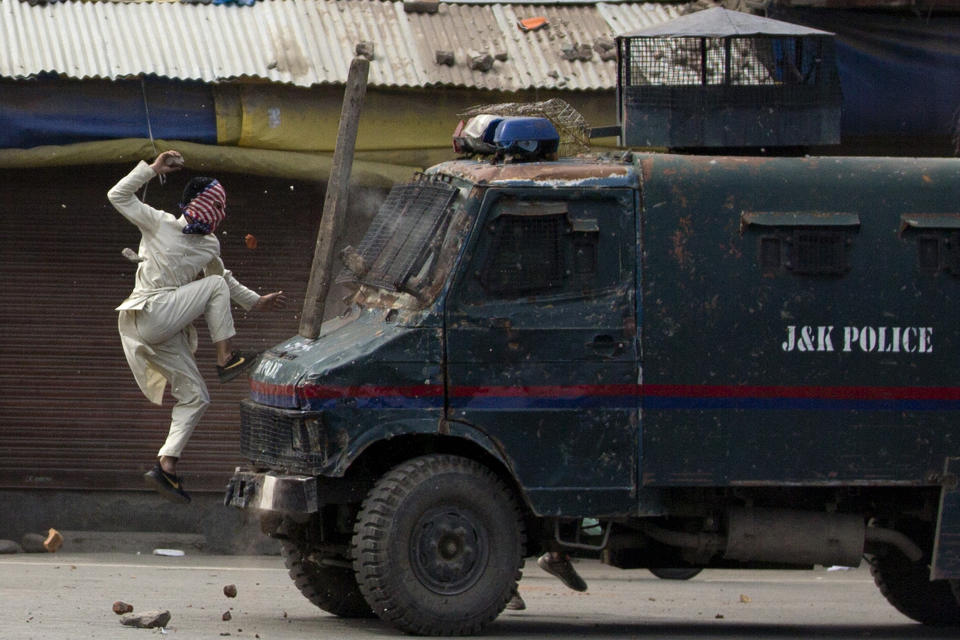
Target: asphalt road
x: 68, y: 596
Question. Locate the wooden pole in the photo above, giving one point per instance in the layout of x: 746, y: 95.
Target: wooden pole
x: 335, y: 202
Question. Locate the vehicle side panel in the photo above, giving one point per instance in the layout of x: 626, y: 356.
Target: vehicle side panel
x: 760, y: 369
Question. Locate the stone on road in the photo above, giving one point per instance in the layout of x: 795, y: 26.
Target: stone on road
x: 147, y: 619
x: 68, y: 596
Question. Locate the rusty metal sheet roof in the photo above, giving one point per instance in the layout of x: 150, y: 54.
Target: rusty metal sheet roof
x: 310, y: 42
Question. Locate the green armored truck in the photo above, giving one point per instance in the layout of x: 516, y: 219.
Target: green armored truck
x: 732, y: 362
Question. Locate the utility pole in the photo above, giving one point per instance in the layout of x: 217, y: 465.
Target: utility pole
x: 335, y: 202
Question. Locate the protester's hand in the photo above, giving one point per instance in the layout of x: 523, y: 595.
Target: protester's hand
x: 167, y: 162
x: 271, y: 301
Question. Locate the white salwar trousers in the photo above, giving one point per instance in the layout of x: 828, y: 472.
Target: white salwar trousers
x: 162, y: 323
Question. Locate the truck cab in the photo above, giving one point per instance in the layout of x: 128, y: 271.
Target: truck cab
x: 711, y: 361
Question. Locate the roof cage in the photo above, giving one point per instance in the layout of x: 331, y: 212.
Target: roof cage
x: 397, y: 241
x: 721, y: 78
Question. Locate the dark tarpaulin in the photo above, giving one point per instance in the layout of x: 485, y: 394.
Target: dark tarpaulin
x: 51, y: 111
x: 900, y: 73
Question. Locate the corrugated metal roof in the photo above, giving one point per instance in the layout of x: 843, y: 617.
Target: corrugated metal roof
x: 311, y: 42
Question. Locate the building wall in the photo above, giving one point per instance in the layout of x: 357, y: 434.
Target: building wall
x: 71, y: 415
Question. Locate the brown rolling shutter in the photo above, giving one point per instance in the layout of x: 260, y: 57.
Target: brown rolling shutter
x: 71, y: 415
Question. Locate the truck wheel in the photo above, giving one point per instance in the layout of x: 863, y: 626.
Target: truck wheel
x: 332, y: 588
x: 907, y: 586
x: 438, y: 546
x: 675, y: 573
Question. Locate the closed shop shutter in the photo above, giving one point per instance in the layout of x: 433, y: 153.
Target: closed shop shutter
x: 71, y: 414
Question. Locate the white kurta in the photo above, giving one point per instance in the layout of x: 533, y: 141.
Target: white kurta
x: 172, y: 260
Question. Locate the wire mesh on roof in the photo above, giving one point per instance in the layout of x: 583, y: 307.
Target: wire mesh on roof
x: 570, y: 123
x: 757, y: 90
x: 400, y: 236
x: 724, y: 61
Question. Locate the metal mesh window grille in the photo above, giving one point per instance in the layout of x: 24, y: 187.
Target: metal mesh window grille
x: 755, y: 61
x: 410, y: 218
x: 938, y: 252
x: 819, y: 252
x: 527, y: 255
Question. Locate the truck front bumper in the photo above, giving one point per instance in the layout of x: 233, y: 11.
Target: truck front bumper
x: 272, y: 492
x: 289, y: 493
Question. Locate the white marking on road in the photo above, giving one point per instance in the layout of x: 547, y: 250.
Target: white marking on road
x: 119, y: 565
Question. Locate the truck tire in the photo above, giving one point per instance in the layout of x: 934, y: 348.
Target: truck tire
x: 333, y: 589
x: 438, y: 546
x: 907, y: 586
x: 675, y: 573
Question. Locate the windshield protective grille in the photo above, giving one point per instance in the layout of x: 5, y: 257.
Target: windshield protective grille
x: 409, y: 220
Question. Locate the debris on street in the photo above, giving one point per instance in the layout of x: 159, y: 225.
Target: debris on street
x: 33, y: 543
x: 230, y: 591
x: 147, y: 619
x: 173, y: 553
x: 9, y: 546
x: 53, y: 541
x: 120, y: 607
x: 226, y: 616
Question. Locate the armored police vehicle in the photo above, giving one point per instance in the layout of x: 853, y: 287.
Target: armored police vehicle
x: 732, y: 362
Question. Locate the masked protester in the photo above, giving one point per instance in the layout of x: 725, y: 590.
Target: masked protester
x: 180, y: 277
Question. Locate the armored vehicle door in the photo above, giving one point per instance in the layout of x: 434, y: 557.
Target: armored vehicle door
x: 541, y: 343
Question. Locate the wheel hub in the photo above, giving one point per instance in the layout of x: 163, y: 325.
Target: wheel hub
x: 448, y: 550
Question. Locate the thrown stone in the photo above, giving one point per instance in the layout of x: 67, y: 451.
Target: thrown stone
x: 230, y: 591
x: 226, y: 616
x: 445, y: 58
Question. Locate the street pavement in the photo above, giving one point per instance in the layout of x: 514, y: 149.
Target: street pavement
x: 69, y: 596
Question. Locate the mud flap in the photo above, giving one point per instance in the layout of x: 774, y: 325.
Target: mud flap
x: 946, y: 547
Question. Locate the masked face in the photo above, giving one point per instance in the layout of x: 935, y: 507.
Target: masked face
x: 207, y: 209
